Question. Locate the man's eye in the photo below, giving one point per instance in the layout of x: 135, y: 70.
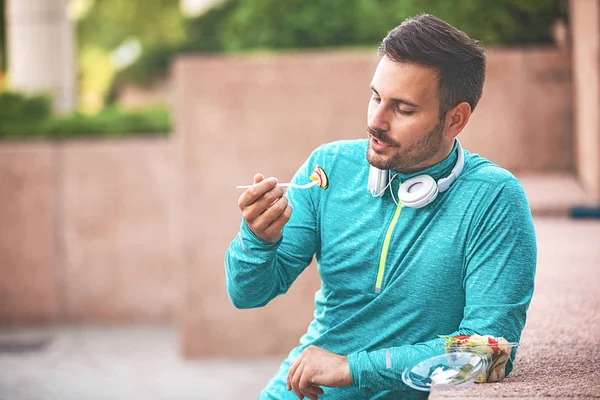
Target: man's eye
x: 376, y: 99
x: 403, y: 112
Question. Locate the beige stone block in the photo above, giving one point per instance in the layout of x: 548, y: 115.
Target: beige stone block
x: 29, y: 280
x: 240, y: 116
x: 122, y: 236
x: 523, y: 121
x: 494, y: 130
x: 585, y: 32
x: 547, y: 137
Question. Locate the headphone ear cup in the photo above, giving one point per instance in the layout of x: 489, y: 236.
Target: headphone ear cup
x: 418, y: 191
x: 377, y: 181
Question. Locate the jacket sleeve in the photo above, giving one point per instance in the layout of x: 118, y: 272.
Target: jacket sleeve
x: 257, y: 271
x: 498, y: 282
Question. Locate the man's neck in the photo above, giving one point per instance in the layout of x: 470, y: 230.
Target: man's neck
x: 437, y: 158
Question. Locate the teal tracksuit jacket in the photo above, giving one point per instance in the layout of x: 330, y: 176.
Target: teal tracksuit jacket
x: 393, y: 278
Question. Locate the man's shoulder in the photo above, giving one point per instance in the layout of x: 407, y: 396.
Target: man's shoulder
x: 483, y: 171
x: 491, y: 182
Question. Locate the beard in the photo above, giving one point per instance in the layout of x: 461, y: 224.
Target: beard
x: 405, y: 159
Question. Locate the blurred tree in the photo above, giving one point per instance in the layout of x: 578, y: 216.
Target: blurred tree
x: 303, y: 23
x: 507, y: 22
x: 203, y: 33
x: 107, y: 23
x: 312, y: 23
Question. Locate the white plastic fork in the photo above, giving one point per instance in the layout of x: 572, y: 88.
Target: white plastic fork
x: 305, y: 186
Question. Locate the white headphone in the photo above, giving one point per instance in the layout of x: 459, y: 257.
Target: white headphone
x: 417, y: 191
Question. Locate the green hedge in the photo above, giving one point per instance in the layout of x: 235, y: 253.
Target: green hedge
x: 276, y: 24
x: 312, y: 23
x: 30, y: 117
x: 204, y: 34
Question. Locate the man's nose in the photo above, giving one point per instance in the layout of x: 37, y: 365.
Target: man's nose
x: 378, y: 119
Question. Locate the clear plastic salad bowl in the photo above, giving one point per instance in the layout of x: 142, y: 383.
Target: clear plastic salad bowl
x: 462, y: 361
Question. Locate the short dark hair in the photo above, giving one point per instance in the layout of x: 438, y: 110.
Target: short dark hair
x: 459, y: 60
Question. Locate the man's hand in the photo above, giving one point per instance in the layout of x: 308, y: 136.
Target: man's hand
x: 316, y: 367
x: 265, y: 208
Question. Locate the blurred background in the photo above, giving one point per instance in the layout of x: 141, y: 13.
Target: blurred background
x: 126, y: 124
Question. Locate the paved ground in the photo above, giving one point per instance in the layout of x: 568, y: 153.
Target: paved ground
x: 559, y: 357
x: 100, y: 363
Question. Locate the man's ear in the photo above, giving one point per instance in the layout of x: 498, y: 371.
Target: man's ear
x: 457, y: 118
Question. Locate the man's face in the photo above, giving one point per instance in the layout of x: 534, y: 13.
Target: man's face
x: 404, y: 128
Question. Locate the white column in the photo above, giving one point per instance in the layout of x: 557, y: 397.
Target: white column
x: 192, y: 8
x: 41, y: 50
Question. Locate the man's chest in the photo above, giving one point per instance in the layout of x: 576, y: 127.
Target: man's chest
x: 366, y: 247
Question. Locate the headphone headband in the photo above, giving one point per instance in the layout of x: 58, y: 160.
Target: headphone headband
x: 444, y: 183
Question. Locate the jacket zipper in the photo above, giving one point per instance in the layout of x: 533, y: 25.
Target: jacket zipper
x: 384, y: 250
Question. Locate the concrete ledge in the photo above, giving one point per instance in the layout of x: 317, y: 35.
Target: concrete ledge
x: 559, y: 350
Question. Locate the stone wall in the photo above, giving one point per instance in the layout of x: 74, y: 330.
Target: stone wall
x: 136, y: 229
x: 90, y: 231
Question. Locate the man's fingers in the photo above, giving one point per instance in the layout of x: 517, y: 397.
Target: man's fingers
x: 276, y: 216
x: 257, y: 178
x: 262, y: 224
x: 296, y: 379
x: 292, y: 370
x: 311, y: 396
x: 263, y: 204
x: 305, y: 380
x: 276, y: 226
x: 313, y: 392
x: 304, y: 383
x: 318, y: 390
x: 257, y: 190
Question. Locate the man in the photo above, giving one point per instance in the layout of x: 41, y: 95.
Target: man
x: 394, y: 277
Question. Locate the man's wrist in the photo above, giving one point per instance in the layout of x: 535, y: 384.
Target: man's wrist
x: 354, y: 368
x: 346, y: 374
x: 253, y: 241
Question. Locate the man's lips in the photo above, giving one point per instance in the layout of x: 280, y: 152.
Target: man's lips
x: 377, y: 144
